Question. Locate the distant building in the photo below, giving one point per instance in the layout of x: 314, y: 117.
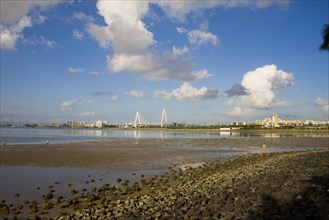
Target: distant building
x: 98, y: 124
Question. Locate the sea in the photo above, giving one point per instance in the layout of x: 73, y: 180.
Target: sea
x: 16, y: 136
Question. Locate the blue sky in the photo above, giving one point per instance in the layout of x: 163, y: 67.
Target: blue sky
x: 203, y: 61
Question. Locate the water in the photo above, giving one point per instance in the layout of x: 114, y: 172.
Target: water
x: 33, y: 182
x: 68, y: 135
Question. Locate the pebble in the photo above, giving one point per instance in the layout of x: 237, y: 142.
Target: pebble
x: 267, y: 186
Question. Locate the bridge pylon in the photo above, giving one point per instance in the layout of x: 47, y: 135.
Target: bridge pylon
x: 164, y: 117
x: 137, y: 120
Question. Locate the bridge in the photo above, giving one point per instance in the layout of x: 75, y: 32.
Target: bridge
x: 140, y: 121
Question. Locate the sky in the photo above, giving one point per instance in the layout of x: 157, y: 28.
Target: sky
x: 203, y: 61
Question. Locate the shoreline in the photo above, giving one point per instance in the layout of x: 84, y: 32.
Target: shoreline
x: 284, y: 185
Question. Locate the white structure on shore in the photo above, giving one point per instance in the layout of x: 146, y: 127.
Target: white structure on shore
x: 276, y: 121
x: 82, y: 124
x: 140, y: 121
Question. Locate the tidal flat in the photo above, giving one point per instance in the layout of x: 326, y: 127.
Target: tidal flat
x: 64, y: 179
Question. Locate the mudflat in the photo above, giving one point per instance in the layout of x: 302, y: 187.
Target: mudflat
x: 125, y: 154
x: 288, y: 185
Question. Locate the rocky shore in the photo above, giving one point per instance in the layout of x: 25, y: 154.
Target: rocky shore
x: 292, y: 185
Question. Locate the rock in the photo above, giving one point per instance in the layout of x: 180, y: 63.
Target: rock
x: 92, y: 198
x: 48, y: 196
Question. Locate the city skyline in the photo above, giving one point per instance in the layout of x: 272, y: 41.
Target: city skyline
x: 209, y: 61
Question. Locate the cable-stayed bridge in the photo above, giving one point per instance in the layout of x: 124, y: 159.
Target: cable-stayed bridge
x: 140, y: 121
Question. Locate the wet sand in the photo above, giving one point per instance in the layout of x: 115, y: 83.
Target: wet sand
x: 123, y: 154
x: 28, y: 172
x: 290, y: 185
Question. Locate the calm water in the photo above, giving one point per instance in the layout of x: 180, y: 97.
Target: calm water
x: 62, y: 135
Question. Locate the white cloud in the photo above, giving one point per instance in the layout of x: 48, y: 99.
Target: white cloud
x: 179, y: 9
x: 125, y: 32
x: 82, y: 17
x: 49, y: 43
x: 324, y: 104
x: 12, y: 11
x: 132, y: 44
x: 14, y: 19
x: 69, y: 104
x: 156, y: 67
x: 135, y: 94
x: 179, y: 51
x: 260, y: 86
x: 197, y: 37
x: 74, y: 70
x: 202, y: 74
x: 9, y: 35
x: 181, y: 30
x: 131, y: 62
x: 77, y: 35
x: 8, y: 39
x: 186, y: 92
x: 39, y: 41
x: 103, y: 35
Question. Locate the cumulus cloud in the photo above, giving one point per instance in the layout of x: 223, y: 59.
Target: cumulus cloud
x: 155, y: 67
x: 12, y: 11
x: 131, y: 42
x: 261, y: 85
x: 236, y: 90
x: 178, y: 10
x: 179, y: 51
x: 125, y: 32
x: 198, y: 37
x: 186, y: 92
x: 82, y: 17
x: 181, y: 30
x: 102, y: 34
x: 9, y: 35
x: 134, y: 46
x: 74, y: 70
x: 136, y: 94
x: 77, y: 35
x: 14, y: 19
x: 324, y: 104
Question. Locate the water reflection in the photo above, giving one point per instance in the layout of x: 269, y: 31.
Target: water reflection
x: 39, y: 135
